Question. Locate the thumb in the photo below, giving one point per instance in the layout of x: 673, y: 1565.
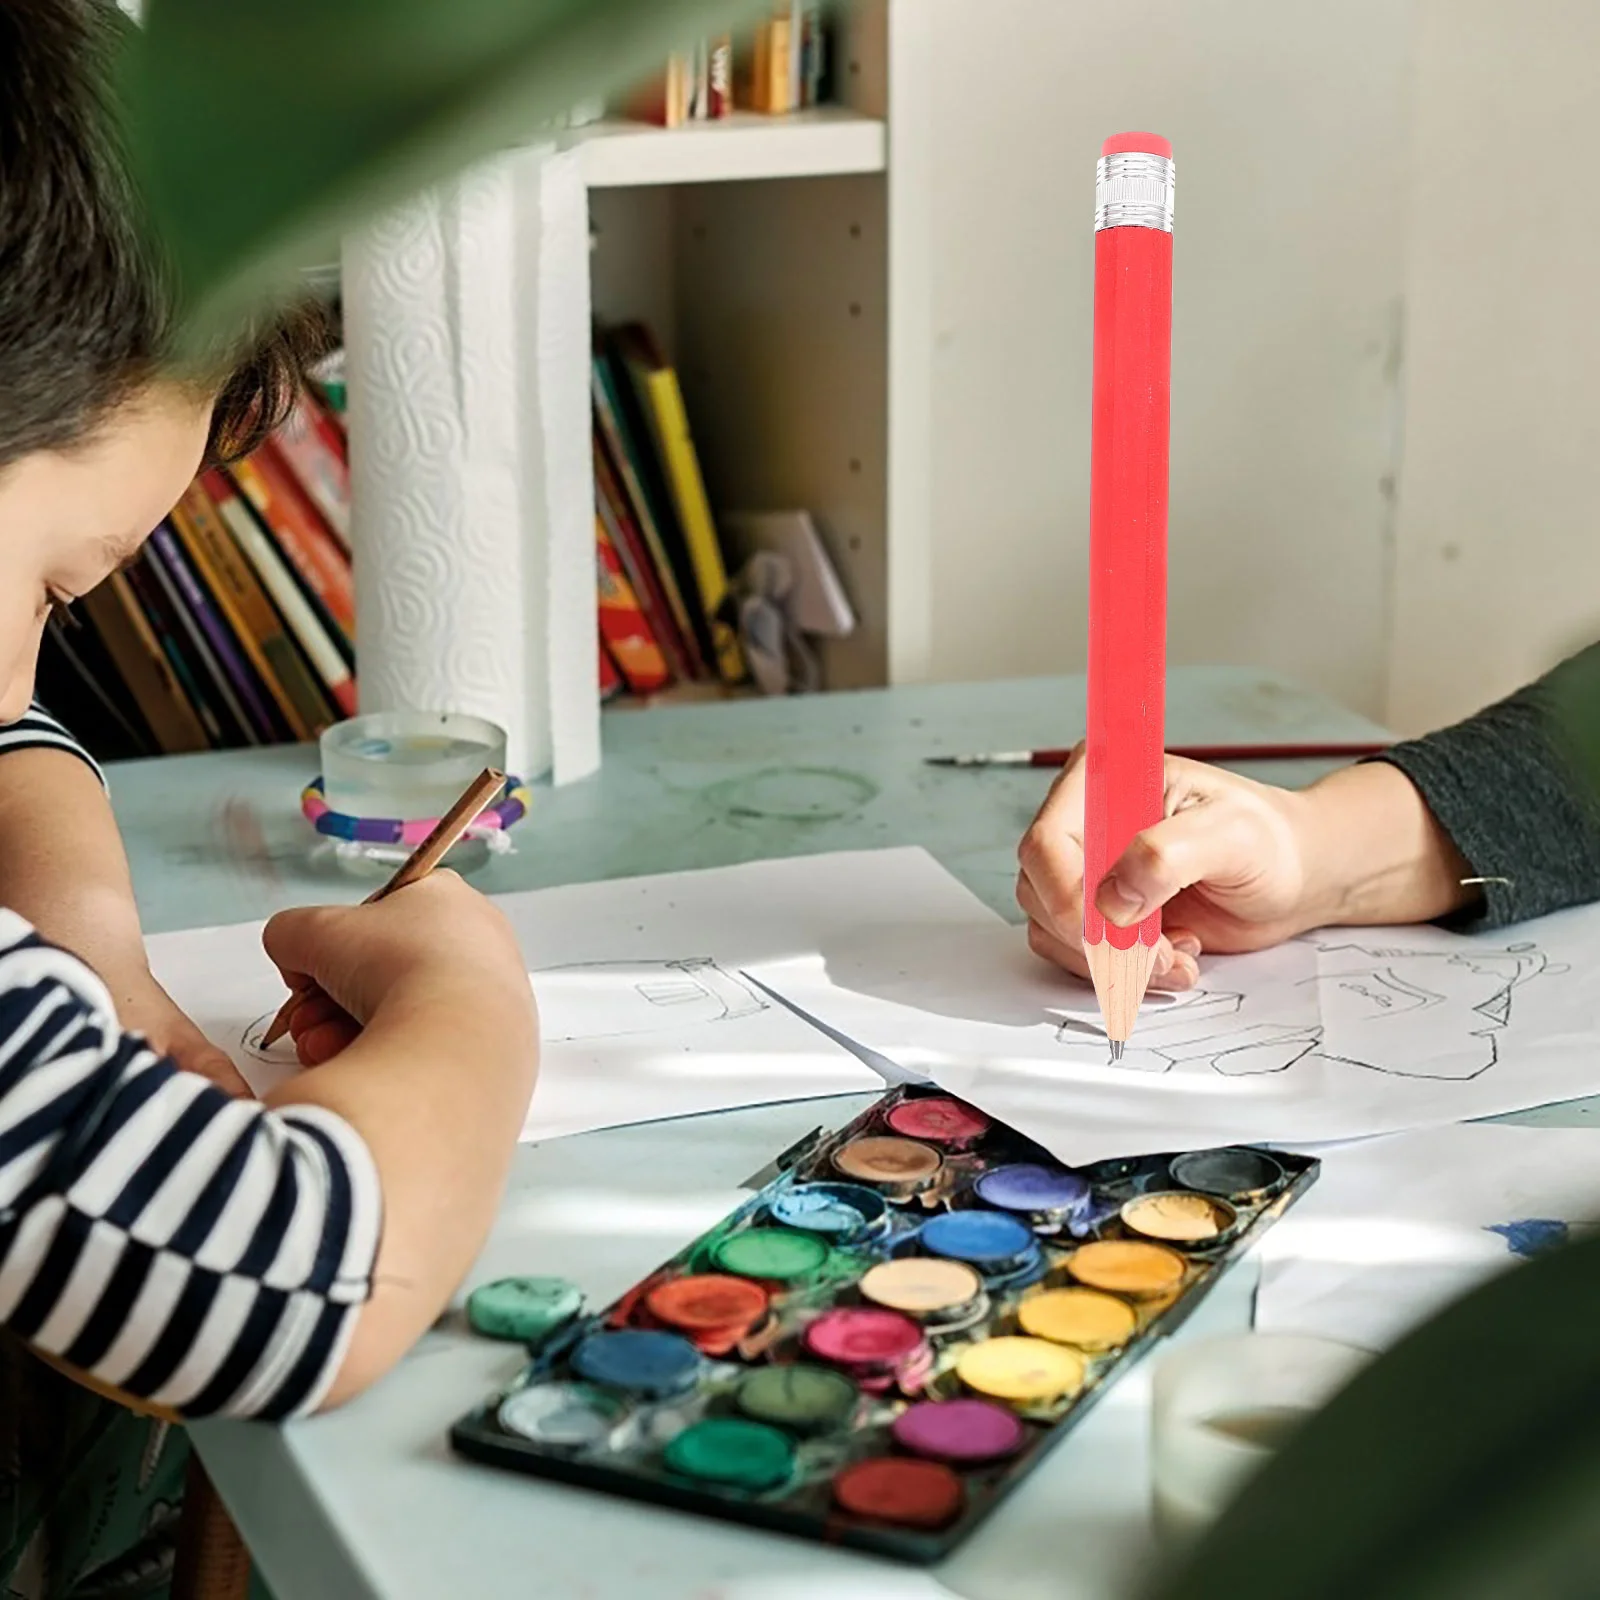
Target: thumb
x: 1199, y: 844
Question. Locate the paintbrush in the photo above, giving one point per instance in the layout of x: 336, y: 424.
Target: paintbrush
x: 1195, y: 752
x: 418, y: 864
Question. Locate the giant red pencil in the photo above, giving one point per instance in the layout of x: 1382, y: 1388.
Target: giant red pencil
x: 1127, y: 550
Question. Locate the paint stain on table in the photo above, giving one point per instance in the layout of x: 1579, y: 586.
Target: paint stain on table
x: 793, y: 794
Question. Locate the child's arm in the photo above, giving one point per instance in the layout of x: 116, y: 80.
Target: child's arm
x: 217, y: 1256
x: 62, y: 866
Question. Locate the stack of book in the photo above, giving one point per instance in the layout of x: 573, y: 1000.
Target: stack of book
x: 235, y: 625
x: 785, y: 65
x: 666, y: 610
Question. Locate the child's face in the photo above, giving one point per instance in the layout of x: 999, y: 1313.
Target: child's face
x: 69, y: 519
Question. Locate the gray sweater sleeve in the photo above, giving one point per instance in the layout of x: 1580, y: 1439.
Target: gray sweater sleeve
x: 1515, y: 789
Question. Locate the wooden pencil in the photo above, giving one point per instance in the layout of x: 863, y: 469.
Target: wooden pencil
x: 445, y: 834
x: 1127, y: 551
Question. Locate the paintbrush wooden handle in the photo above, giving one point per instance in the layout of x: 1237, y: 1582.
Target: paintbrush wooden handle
x: 445, y: 835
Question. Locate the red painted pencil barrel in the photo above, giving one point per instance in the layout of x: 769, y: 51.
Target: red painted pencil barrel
x: 1127, y: 534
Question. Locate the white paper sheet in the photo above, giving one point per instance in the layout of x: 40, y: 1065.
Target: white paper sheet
x: 1341, y: 1035
x: 1397, y: 1227
x: 643, y: 1008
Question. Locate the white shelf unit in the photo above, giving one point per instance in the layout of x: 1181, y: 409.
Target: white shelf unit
x: 825, y: 142
x: 777, y: 261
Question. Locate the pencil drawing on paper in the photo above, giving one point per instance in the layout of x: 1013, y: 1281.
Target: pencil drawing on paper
x: 1405, y: 1012
x: 253, y: 1042
x: 594, y: 1000
x: 1211, y: 1030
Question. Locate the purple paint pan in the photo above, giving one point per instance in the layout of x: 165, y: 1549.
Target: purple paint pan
x: 959, y: 1431
x: 1037, y: 1190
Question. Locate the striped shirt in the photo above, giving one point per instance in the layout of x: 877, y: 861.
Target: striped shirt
x: 195, y: 1250
x: 38, y: 730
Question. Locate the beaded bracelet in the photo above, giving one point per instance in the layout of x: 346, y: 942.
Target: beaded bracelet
x: 511, y: 808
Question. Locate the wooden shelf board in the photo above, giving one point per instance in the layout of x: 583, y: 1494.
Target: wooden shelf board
x: 805, y: 144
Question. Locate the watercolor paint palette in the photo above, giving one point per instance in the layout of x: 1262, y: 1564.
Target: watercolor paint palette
x: 885, y: 1339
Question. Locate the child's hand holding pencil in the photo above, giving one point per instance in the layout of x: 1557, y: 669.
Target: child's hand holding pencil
x: 304, y: 1002
x: 440, y: 938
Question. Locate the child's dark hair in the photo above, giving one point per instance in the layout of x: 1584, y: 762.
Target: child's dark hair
x: 87, y: 300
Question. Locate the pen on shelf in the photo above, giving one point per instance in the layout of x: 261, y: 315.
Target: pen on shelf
x: 1127, y: 551
x: 446, y: 833
x: 1050, y: 757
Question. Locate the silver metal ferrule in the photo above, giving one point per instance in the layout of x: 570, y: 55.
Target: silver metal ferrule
x: 1133, y: 190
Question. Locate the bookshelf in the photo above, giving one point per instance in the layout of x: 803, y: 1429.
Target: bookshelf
x: 826, y: 142
x: 782, y: 264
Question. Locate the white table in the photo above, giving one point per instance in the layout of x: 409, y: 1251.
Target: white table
x: 370, y: 1501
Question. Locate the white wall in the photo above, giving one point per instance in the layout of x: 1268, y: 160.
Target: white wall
x: 1498, y: 569
x: 1290, y: 121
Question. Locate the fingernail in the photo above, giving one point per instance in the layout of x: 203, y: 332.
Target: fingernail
x: 1187, y: 943
x: 1181, y: 975
x: 1118, y: 904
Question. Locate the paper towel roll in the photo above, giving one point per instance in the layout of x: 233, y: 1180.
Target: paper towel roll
x: 472, y: 490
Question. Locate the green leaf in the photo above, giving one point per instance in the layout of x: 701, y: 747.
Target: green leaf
x: 1462, y: 1465
x: 263, y: 129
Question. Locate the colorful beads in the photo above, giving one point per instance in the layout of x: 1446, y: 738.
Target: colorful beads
x: 510, y: 809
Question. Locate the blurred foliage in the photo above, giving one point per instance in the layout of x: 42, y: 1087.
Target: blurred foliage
x: 264, y: 129
x: 1464, y: 1464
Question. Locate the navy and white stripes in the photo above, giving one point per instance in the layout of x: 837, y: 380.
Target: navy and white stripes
x: 188, y: 1248
x: 38, y: 730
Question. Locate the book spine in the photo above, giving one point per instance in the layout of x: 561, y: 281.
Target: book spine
x: 608, y: 412
x: 193, y: 601
x: 796, y: 60
x: 699, y: 103
x: 719, y: 78
x: 774, y: 47
x: 305, y: 540
x: 260, y: 632
x: 320, y: 469
x: 152, y: 601
x: 758, y: 92
x: 138, y: 659
x: 680, y: 88
x: 275, y: 577
x: 814, y: 55
x: 622, y: 624
x: 611, y: 684
x: 77, y: 678
x: 639, y: 568
x: 694, y: 516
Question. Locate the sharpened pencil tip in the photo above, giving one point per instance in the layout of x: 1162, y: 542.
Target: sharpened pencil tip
x: 1116, y: 1051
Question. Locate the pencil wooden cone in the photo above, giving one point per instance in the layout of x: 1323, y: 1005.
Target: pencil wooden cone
x: 1120, y: 979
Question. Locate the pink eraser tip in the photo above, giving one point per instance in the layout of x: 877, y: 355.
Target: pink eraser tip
x: 1150, y: 144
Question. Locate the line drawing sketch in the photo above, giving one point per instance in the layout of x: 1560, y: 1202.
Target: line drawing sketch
x: 593, y: 1000
x: 1408, y: 1013
x: 281, y: 1054
x: 1211, y: 1030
